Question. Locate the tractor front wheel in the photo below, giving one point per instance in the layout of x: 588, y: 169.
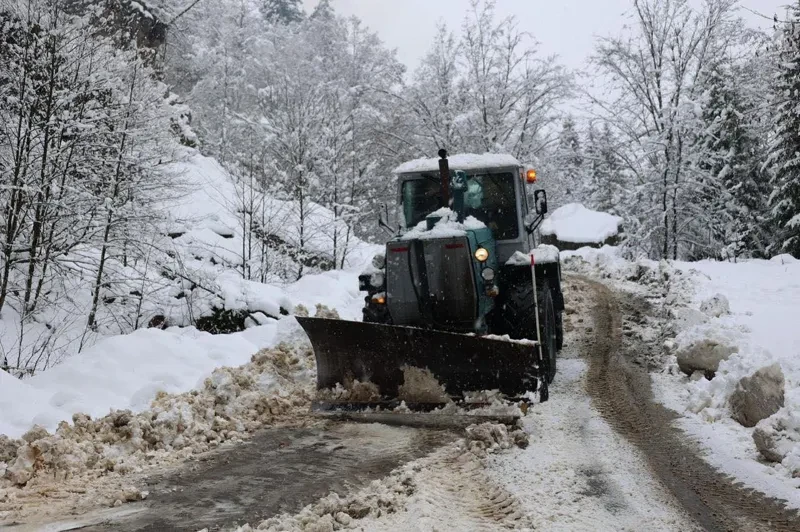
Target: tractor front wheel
x: 519, y: 317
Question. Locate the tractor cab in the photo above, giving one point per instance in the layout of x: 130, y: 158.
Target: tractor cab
x: 494, y: 192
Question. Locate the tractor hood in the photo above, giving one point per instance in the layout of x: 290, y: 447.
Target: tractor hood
x: 434, y: 278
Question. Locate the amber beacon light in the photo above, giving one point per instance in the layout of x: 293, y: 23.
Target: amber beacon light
x: 530, y: 176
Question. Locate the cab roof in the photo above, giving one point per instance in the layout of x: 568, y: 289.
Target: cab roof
x: 464, y: 161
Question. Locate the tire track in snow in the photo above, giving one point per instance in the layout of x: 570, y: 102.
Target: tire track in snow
x: 453, y: 492
x: 622, y: 393
x: 578, y: 473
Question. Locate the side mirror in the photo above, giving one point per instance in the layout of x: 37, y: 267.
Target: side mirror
x: 540, y: 202
x: 383, y: 218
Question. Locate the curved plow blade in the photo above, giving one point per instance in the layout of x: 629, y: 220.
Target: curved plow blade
x: 348, y: 350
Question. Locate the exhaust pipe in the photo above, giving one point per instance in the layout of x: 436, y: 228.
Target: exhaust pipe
x: 444, y: 178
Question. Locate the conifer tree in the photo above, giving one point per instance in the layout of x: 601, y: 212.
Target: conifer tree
x: 283, y: 11
x: 785, y: 147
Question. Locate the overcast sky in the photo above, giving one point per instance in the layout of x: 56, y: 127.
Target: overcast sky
x: 564, y: 27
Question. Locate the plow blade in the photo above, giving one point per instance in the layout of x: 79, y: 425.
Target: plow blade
x: 348, y: 350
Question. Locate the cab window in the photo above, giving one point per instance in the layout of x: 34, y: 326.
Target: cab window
x: 488, y: 197
x: 491, y: 199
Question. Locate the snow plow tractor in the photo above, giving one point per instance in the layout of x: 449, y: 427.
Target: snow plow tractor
x: 460, y: 303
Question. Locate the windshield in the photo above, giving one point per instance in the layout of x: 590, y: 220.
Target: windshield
x: 489, y: 197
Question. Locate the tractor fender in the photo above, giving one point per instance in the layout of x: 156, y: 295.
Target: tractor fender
x: 550, y: 272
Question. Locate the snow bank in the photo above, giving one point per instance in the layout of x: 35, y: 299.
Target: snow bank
x: 575, y: 223
x: 763, y: 298
x: 128, y: 371
x: 125, y: 372
x: 749, y: 309
x: 448, y: 226
x: 466, y: 162
x: 543, y: 254
x: 275, y: 385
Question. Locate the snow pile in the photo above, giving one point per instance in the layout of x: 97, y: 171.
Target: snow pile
x: 447, y: 226
x: 778, y: 439
x: 747, y: 308
x: 487, y: 438
x: 465, y: 162
x: 783, y: 259
x: 704, y: 347
x: 608, y: 264
x: 543, y: 254
x: 126, y: 372
x: 575, y: 223
x: 275, y: 386
x: 420, y: 386
x: 352, y: 390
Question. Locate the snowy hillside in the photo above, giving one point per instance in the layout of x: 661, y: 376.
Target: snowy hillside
x: 202, y: 269
x: 126, y: 371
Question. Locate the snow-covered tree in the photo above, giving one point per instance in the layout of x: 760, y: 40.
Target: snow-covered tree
x: 323, y: 10
x: 510, y: 91
x: 282, y: 11
x: 84, y: 130
x: 735, y: 187
x: 657, y: 74
x: 485, y: 88
x: 435, y: 98
x: 785, y: 147
x: 569, y: 162
x: 605, y: 175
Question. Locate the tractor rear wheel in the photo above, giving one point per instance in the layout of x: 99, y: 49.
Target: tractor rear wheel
x: 519, y: 320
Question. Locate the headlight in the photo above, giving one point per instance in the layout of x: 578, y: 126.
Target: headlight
x: 379, y: 261
x: 482, y: 254
x: 488, y: 275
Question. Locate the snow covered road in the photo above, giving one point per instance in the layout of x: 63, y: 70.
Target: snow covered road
x: 602, y: 456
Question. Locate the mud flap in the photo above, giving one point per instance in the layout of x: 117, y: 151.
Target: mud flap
x: 347, y: 350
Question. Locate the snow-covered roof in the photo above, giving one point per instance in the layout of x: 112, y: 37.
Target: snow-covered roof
x: 577, y: 224
x: 464, y: 161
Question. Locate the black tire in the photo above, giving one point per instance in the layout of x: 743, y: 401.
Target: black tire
x: 547, y: 321
x: 519, y: 320
x: 560, y: 330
